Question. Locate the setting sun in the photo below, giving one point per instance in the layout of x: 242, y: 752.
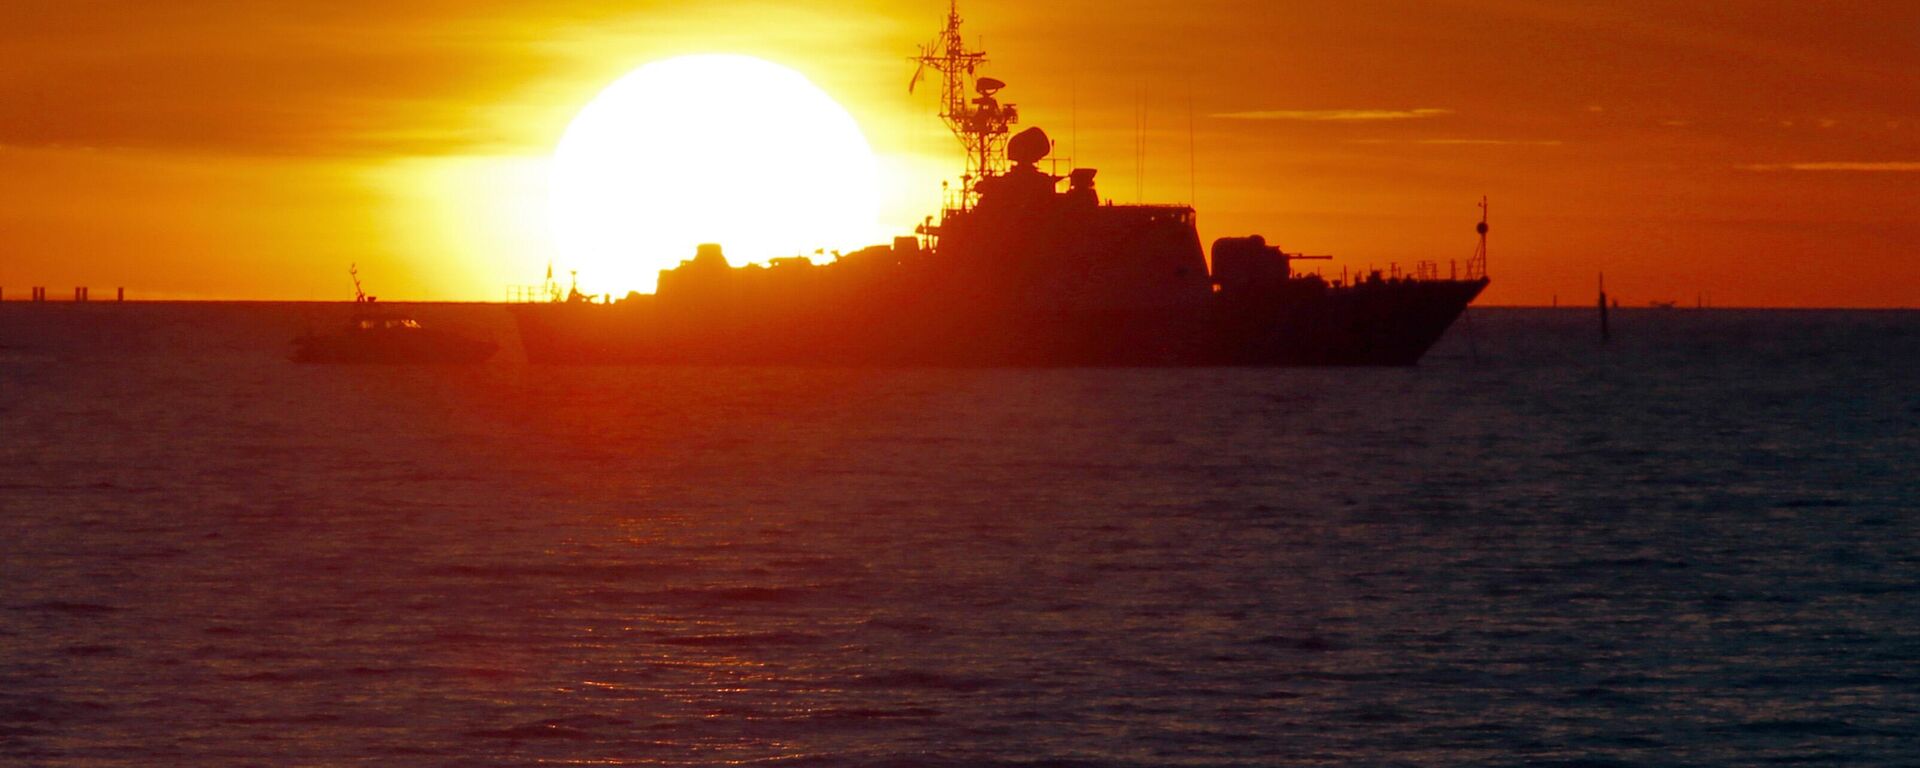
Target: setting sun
x: 711, y: 148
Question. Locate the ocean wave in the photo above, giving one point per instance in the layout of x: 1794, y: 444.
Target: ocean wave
x: 741, y: 639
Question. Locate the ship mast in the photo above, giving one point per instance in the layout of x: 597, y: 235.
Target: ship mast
x: 981, y: 122
x: 1477, y: 266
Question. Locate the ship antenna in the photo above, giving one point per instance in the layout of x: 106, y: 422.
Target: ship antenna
x: 981, y: 123
x: 1476, y: 270
x: 1138, y: 186
x: 353, y: 271
x: 1193, y: 178
x: 1477, y: 266
x: 550, y: 286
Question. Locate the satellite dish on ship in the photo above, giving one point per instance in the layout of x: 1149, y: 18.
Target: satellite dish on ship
x: 988, y: 86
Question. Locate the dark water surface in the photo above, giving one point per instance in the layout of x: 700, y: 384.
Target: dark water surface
x: 1696, y: 547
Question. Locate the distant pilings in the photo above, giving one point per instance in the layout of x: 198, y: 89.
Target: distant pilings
x: 1606, y: 333
x: 81, y: 294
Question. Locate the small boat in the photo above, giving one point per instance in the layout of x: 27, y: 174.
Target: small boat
x: 378, y: 335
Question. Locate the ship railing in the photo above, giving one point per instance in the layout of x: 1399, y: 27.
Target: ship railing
x: 531, y: 294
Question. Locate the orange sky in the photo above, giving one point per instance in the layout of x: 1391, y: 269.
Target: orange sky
x: 1762, y: 152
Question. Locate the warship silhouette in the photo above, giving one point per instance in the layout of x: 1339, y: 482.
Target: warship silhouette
x: 1015, y: 272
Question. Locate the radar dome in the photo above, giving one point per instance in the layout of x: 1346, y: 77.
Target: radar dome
x: 1029, y: 146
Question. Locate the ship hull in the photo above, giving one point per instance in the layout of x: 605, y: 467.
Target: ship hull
x: 1382, y: 324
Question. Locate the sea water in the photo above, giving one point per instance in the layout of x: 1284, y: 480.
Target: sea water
x: 1694, y: 545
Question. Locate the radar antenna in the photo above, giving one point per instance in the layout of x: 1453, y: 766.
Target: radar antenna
x: 980, y: 122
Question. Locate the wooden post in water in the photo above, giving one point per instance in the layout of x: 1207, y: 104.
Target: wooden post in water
x: 1606, y: 334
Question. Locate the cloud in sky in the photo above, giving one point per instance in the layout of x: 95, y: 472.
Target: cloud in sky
x: 1465, y: 142
x: 1895, y: 166
x: 1501, y: 142
x: 352, y: 79
x: 1335, y: 115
